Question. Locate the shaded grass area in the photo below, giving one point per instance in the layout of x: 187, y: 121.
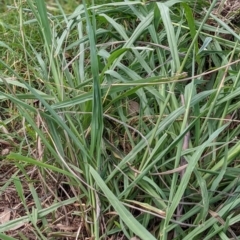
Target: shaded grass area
x: 119, y: 120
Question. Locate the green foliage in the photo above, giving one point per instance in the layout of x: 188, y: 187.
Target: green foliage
x: 130, y: 108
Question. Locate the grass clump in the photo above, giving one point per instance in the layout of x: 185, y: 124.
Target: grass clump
x: 119, y: 120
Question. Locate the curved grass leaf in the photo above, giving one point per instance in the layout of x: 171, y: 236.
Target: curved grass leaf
x: 123, y: 213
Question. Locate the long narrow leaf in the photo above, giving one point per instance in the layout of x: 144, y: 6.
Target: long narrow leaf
x: 124, y: 214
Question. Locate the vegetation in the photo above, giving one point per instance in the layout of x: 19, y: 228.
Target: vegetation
x: 119, y: 120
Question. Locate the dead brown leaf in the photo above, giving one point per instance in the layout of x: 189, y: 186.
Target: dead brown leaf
x: 65, y: 227
x: 5, y: 151
x: 133, y: 108
x: 5, y: 215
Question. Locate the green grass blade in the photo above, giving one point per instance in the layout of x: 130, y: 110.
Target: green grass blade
x: 124, y: 214
x: 164, y: 10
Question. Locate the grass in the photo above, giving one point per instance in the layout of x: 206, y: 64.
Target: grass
x: 119, y: 120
